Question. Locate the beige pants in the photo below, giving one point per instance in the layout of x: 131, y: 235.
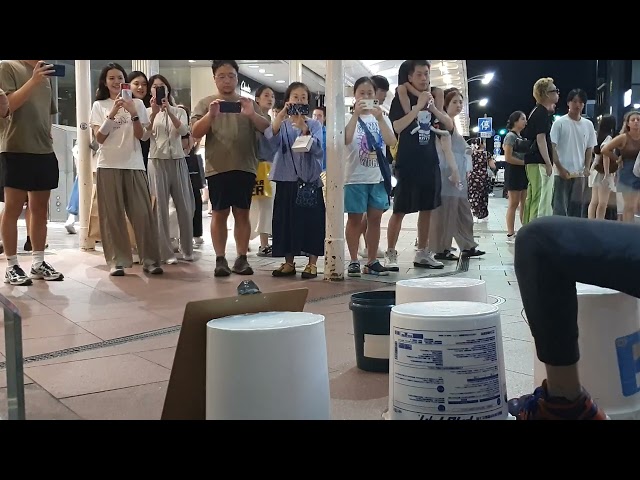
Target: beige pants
x: 123, y: 192
x: 169, y: 179
x: 451, y: 220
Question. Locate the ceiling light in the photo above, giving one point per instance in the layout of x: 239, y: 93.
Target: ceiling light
x: 636, y: 105
x: 446, y: 78
x: 279, y: 81
x: 268, y: 74
x: 192, y: 61
x: 253, y: 66
x: 262, y: 70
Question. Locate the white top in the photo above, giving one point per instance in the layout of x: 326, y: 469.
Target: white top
x: 266, y: 321
x: 166, y: 139
x: 361, y: 164
x: 121, y: 149
x: 572, y: 138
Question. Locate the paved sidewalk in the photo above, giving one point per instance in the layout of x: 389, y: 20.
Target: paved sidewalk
x: 128, y: 381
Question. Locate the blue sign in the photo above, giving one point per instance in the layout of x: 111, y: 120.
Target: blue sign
x: 497, y: 138
x: 485, y: 127
x: 496, y: 151
x: 628, y: 350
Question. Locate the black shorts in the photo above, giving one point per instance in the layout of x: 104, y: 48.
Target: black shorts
x: 515, y: 178
x: 29, y: 171
x: 418, y: 194
x: 231, y: 189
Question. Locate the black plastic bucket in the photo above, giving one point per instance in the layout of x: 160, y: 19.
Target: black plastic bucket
x: 371, y: 328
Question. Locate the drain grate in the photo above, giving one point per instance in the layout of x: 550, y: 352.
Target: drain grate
x: 94, y: 346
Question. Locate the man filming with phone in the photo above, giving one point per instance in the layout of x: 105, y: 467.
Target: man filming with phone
x: 29, y: 164
x: 230, y: 123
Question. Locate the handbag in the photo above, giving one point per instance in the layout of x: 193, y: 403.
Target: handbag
x: 262, y: 187
x: 385, y: 169
x: 307, y: 192
x: 599, y: 165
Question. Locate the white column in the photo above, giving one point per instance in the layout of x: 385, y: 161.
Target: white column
x: 295, y: 71
x: 334, y: 101
x: 202, y: 84
x: 85, y: 176
x: 148, y: 67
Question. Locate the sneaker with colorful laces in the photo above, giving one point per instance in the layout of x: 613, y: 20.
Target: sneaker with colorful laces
x: 541, y: 406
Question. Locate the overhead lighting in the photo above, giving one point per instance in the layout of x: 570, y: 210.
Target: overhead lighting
x: 262, y: 70
x: 627, y: 98
x: 253, y: 66
x: 475, y: 129
x: 279, y: 81
x: 636, y: 105
x: 268, y: 74
x: 487, y: 78
x: 192, y: 61
x: 483, y: 102
x: 446, y: 78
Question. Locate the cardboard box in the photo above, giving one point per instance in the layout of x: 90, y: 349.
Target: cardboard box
x: 186, y: 392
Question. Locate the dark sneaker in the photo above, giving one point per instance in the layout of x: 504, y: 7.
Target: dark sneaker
x: 28, y: 247
x: 285, y: 270
x: 117, y: 272
x: 472, y: 252
x: 446, y: 255
x: 540, y: 406
x: 44, y: 271
x: 15, y: 276
x: 265, y: 251
x: 222, y: 268
x: 152, y: 269
x: 354, y: 269
x: 241, y: 266
x: 375, y: 268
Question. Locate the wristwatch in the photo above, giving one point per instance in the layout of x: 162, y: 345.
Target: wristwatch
x: 135, y: 119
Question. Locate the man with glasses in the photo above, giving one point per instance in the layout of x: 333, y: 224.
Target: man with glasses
x: 539, y: 159
x: 230, y: 123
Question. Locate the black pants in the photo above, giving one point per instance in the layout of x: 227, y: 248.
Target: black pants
x: 552, y: 255
x: 196, y: 184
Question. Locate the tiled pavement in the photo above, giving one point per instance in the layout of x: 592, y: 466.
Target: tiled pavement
x: 129, y: 380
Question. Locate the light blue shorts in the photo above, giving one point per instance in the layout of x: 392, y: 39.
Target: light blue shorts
x: 359, y: 197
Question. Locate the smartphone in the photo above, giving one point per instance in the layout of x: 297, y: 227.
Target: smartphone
x: 371, y: 103
x: 230, y: 107
x: 125, y: 91
x: 59, y: 70
x: 298, y: 109
x: 161, y: 93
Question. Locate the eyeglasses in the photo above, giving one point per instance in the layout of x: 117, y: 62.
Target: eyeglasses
x: 557, y: 90
x: 231, y: 76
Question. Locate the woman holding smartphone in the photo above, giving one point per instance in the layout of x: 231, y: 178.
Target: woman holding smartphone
x: 297, y: 229
x: 121, y: 182
x: 168, y: 170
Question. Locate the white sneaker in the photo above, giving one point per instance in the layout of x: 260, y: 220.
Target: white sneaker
x: 391, y: 260
x: 511, y: 240
x: 425, y: 259
x: 198, y: 240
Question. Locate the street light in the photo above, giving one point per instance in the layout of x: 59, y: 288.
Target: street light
x: 475, y: 129
x: 485, y: 79
x: 482, y: 103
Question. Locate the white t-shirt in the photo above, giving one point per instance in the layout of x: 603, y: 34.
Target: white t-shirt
x: 572, y: 138
x: 166, y: 139
x: 361, y: 164
x: 121, y: 149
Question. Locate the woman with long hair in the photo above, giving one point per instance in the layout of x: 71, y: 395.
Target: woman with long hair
x: 515, y: 175
x: 628, y: 144
x: 453, y: 218
x: 603, y: 170
x: 298, y: 207
x: 168, y: 171
x: 122, y: 187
